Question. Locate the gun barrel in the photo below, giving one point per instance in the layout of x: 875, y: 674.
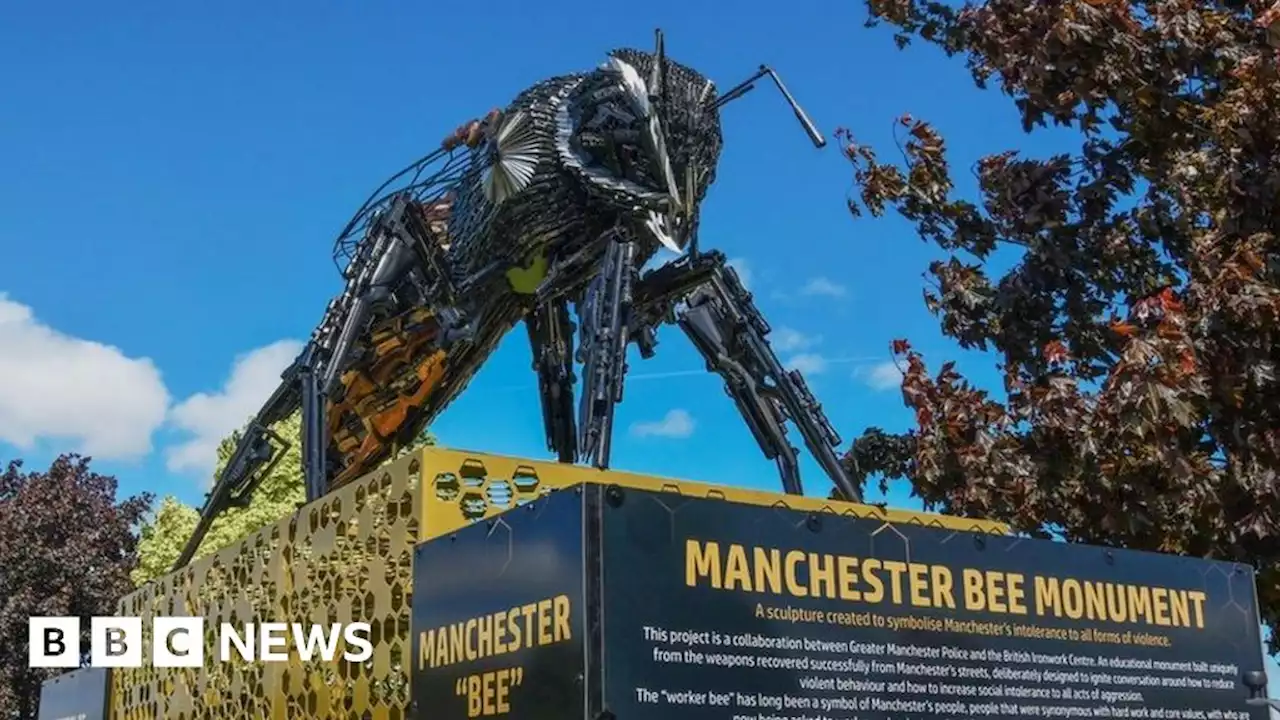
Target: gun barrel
x: 748, y: 85
x: 810, y: 129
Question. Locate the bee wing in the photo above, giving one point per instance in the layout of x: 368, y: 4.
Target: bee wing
x: 516, y: 153
x: 429, y: 181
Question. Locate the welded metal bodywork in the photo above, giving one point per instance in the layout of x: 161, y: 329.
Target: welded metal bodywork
x: 554, y: 202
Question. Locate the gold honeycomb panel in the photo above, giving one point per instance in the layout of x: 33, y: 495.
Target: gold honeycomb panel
x: 348, y: 558
x: 463, y: 487
x: 345, y: 558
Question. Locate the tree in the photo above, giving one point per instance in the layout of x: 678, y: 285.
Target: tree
x: 67, y: 547
x: 1138, y: 334
x: 281, y: 492
x: 426, y: 438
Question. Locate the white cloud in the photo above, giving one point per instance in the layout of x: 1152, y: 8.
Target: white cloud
x: 743, y: 268
x: 55, y: 386
x: 785, y: 340
x: 675, y: 424
x: 807, y: 363
x: 209, y: 417
x: 822, y: 287
x: 883, y: 376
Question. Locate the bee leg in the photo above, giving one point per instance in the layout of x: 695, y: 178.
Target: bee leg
x: 605, y: 316
x: 551, y: 340
x: 384, y: 258
x: 721, y: 319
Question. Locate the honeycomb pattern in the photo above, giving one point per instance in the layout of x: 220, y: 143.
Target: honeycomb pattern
x: 348, y: 558
x: 345, y: 558
x: 469, y: 486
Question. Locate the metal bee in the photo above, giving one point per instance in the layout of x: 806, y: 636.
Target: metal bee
x: 558, y: 199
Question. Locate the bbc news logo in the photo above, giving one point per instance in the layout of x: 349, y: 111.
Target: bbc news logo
x: 179, y: 642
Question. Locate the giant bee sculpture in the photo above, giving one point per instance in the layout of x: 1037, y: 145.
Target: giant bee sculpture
x: 559, y: 199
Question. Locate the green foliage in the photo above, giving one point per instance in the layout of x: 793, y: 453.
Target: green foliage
x: 425, y: 439
x: 280, y: 494
x: 162, y: 538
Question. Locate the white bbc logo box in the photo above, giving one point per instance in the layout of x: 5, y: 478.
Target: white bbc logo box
x: 116, y: 642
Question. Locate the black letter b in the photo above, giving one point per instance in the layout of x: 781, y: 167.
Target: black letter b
x: 54, y: 641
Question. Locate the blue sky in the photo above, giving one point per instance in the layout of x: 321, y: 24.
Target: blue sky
x: 172, y: 177
x: 182, y: 174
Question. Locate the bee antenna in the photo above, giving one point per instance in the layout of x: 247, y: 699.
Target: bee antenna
x: 749, y: 84
x: 658, y: 79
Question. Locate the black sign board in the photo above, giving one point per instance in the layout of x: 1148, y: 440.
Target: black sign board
x: 604, y: 602
x: 77, y: 695
x: 717, y: 610
x: 499, y: 617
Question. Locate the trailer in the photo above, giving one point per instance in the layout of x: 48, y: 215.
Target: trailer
x: 497, y: 586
